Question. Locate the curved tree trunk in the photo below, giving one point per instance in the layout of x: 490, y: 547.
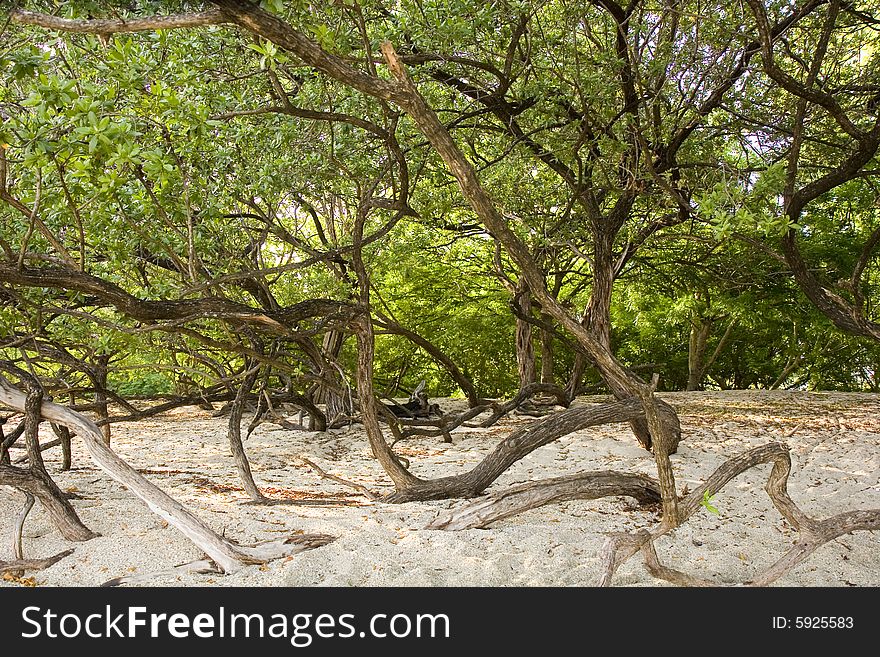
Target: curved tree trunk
x: 41, y: 486
x: 234, y: 433
x: 460, y: 378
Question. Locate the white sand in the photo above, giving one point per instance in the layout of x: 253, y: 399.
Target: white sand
x: 836, y: 467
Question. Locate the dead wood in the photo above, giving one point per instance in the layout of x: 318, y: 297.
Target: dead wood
x: 524, y: 394
x: 339, y: 480
x: 228, y: 556
x: 517, y: 445
x: 446, y: 423
x: 813, y: 533
x: 517, y: 499
x: 20, y: 565
x: 443, y: 425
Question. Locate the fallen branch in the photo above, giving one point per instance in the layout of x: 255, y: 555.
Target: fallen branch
x: 281, y: 547
x: 339, y: 480
x: 32, y: 564
x: 585, y: 486
x: 228, y: 556
x: 619, y: 547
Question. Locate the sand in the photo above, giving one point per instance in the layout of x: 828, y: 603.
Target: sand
x: 835, y: 447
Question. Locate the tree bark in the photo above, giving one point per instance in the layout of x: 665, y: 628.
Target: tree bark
x: 698, y: 339
x: 525, y: 351
x: 41, y: 486
x: 547, y: 374
x: 101, y: 367
x: 63, y: 434
x: 517, y: 499
x: 234, y: 434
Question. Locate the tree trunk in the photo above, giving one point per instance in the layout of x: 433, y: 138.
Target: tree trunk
x: 547, y: 375
x: 697, y: 341
x: 525, y: 352
x: 41, y: 486
x: 63, y: 434
x: 234, y: 434
x: 335, y: 401
x: 597, y: 320
x: 100, y: 395
x: 577, y: 374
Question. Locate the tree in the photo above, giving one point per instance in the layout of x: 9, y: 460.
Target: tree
x: 283, y: 160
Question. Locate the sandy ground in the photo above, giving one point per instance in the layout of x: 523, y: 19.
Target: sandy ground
x: 834, y: 438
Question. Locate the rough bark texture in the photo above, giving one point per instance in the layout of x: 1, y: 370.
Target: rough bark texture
x: 621, y: 546
x: 525, y: 351
x: 60, y: 511
x: 516, y: 446
x: 63, y: 434
x: 233, y: 434
x: 517, y: 499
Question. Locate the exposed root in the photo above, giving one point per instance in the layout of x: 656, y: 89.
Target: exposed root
x: 20, y: 565
x: 512, y: 501
x: 814, y: 533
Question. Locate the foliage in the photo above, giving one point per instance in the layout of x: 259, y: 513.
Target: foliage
x: 206, y: 163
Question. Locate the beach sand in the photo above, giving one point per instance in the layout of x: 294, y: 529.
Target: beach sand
x: 835, y: 448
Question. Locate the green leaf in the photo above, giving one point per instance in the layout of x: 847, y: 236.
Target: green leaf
x: 707, y: 503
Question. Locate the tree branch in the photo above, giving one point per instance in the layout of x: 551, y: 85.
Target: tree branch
x: 119, y: 25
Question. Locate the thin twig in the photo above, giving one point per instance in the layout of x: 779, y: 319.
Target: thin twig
x: 326, y: 475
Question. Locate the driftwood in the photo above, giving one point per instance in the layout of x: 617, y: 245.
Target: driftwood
x: 517, y: 499
x: 446, y: 423
x: 517, y: 445
x: 619, y: 547
x: 228, y: 556
x: 339, y: 480
x: 418, y: 406
x: 20, y: 565
x: 266, y: 551
x: 525, y: 393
